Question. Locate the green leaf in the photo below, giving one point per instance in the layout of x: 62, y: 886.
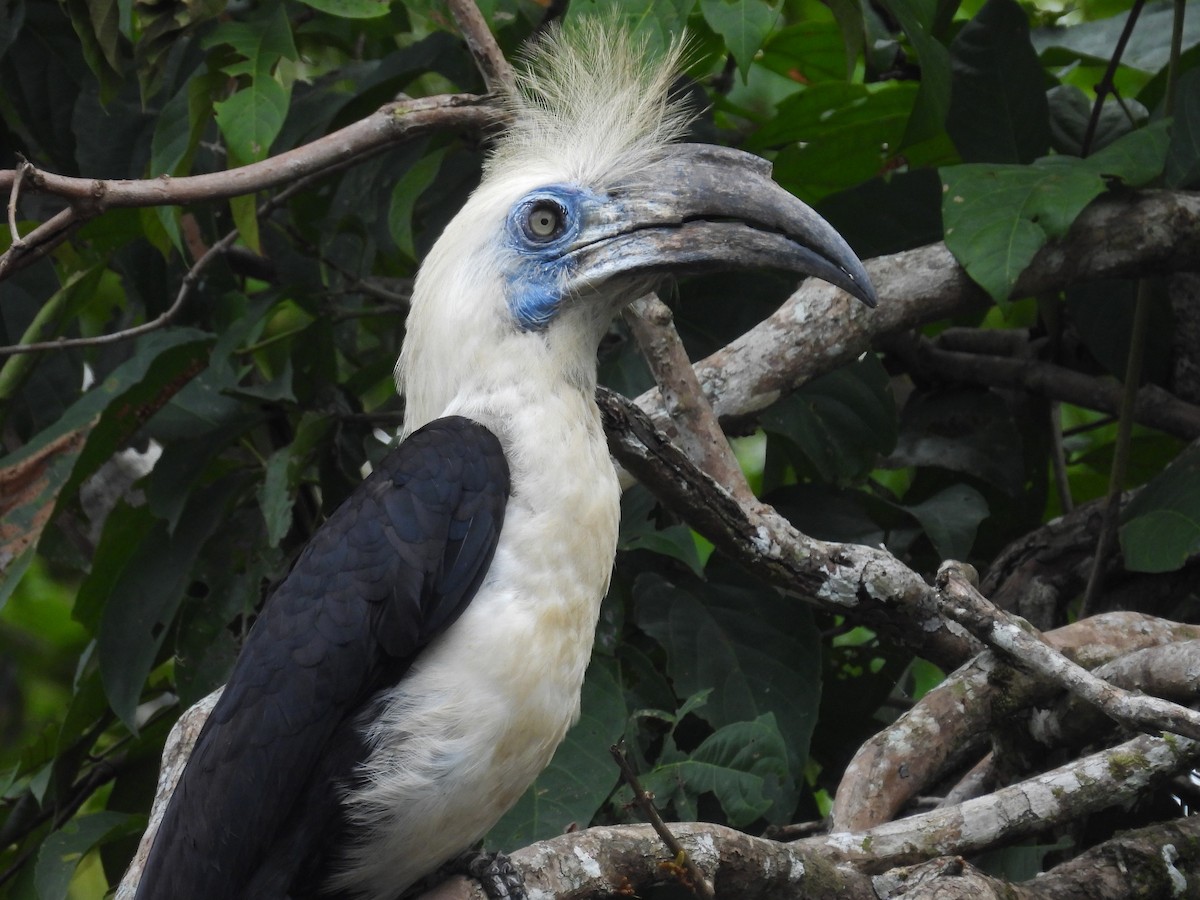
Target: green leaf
x: 88, y: 433
x: 997, y: 217
x: 1148, y: 47
x: 63, y: 850
x: 275, y: 497
x: 758, y: 652
x: 659, y: 23
x: 968, y: 431
x: 580, y: 776
x: 63, y: 305
x: 950, y: 519
x: 839, y: 135
x: 841, y: 422
x: 261, y: 42
x: 675, y: 541
x: 1161, y: 525
x: 1183, y: 154
x: 737, y: 763
x: 743, y: 25
x: 96, y: 25
x: 180, y: 124
x: 807, y: 52
x: 1135, y: 159
x: 351, y: 9
x: 1071, y: 110
x: 251, y: 118
x: 998, y: 111
x: 1161, y: 540
x: 932, y: 103
x: 147, y: 594
x: 407, y: 191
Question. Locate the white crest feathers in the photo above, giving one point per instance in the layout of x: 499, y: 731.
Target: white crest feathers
x: 590, y: 103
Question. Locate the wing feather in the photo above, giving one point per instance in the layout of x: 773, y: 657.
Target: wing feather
x: 391, y: 568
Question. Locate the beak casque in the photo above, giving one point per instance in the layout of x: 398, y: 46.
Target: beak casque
x: 704, y: 207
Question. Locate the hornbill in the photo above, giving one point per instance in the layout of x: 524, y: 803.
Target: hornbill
x: 423, y: 659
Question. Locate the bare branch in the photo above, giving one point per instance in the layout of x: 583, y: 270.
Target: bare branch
x: 951, y: 724
x: 1109, y: 778
x: 178, y: 749
x: 626, y: 861
x: 1154, y: 406
x: 14, y: 195
x: 696, y: 428
x: 497, y: 73
x: 1021, y: 644
x: 820, y: 327
x: 389, y: 124
x: 867, y: 583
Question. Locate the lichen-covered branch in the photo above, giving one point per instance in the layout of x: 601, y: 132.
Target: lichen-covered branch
x: 954, y: 721
x: 820, y: 327
x: 1020, y: 643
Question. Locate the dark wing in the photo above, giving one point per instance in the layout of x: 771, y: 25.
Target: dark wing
x: 391, y: 568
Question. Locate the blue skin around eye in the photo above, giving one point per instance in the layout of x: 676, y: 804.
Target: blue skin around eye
x: 535, y: 279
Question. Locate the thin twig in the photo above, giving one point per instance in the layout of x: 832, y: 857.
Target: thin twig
x: 1106, y: 85
x: 169, y: 314
x: 1058, y: 457
x: 23, y: 166
x: 1021, y: 643
x: 387, y: 126
x: 497, y: 73
x: 40, y: 241
x: 645, y: 803
x: 1107, y: 540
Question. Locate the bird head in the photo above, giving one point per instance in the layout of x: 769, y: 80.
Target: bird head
x: 586, y: 200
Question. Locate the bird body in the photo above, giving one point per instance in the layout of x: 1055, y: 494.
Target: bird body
x: 483, y: 708
x: 424, y: 658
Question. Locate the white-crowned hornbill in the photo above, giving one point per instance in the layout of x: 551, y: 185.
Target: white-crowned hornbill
x: 420, y: 664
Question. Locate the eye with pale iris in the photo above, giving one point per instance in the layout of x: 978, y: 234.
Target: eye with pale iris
x: 545, y: 220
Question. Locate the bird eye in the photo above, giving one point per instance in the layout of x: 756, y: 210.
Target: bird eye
x: 545, y: 220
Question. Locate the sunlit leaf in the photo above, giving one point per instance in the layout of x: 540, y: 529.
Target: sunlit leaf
x: 744, y: 25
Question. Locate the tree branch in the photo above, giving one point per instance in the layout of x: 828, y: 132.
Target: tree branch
x: 944, y: 728
x: 1154, y: 406
x: 497, y: 73
x: 849, y: 579
x: 696, y: 428
x: 820, y: 327
x: 389, y: 124
x: 1026, y: 648
x: 627, y: 861
x: 1105, y: 779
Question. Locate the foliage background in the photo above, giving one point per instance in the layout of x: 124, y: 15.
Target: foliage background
x: 904, y: 122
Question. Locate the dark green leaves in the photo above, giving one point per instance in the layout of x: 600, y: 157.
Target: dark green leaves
x: 998, y: 110
x: 841, y: 422
x: 743, y: 25
x: 1183, y: 154
x: 1161, y: 529
x: 998, y: 217
x: 750, y: 653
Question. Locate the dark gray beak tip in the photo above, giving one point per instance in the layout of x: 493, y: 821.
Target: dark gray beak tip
x: 861, y: 287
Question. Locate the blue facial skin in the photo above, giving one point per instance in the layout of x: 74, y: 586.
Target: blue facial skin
x: 535, y: 279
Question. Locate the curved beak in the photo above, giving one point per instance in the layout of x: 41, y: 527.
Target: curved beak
x: 706, y: 207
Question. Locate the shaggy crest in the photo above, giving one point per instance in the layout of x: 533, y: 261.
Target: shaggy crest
x: 590, y: 102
